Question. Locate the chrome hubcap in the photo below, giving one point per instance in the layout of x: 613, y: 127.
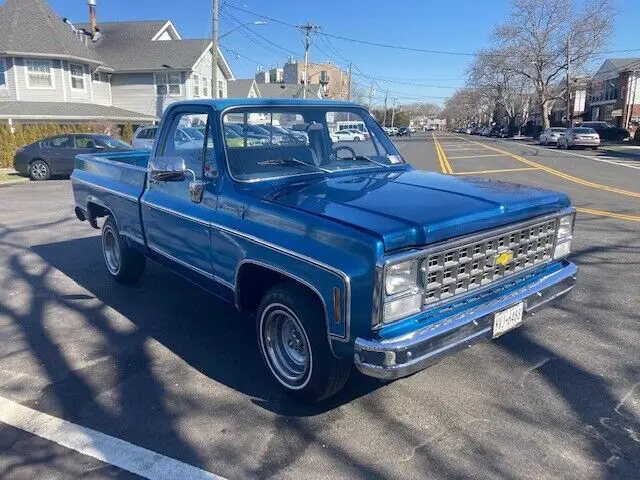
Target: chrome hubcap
x: 286, y: 347
x: 39, y: 170
x: 111, y: 251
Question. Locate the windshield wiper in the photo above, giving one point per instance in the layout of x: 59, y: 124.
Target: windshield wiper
x: 372, y: 160
x: 284, y: 161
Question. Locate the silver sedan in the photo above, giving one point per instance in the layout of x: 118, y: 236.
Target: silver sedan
x: 551, y: 135
x: 579, y: 137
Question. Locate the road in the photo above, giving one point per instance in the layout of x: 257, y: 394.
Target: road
x: 165, y: 367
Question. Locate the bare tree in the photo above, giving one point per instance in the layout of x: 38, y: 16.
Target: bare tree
x: 492, y: 73
x: 536, y: 36
x: 468, y: 106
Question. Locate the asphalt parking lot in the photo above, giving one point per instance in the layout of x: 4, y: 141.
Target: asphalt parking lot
x: 165, y: 367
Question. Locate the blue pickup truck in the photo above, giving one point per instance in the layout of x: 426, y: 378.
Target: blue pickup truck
x: 346, y: 253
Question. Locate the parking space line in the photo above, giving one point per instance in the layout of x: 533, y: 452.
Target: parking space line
x: 620, y: 216
x: 111, y: 450
x: 477, y: 156
x: 558, y: 173
x: 501, y: 170
x: 590, y: 157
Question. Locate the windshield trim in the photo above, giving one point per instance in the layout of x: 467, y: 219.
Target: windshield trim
x: 221, y: 125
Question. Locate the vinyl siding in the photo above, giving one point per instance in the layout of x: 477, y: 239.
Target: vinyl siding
x: 203, y: 69
x: 101, y: 92
x: 55, y: 94
x: 137, y: 92
x: 8, y: 91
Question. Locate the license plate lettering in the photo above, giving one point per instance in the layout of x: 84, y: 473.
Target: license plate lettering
x: 507, y: 319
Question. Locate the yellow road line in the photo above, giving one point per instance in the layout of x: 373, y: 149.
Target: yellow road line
x: 558, y: 173
x: 435, y: 145
x: 444, y: 163
x: 502, y: 170
x: 477, y: 156
x: 621, y: 216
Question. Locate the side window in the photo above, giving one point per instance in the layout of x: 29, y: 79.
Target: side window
x: 151, y: 133
x: 187, y: 142
x: 143, y: 134
x: 83, y: 141
x: 63, y: 141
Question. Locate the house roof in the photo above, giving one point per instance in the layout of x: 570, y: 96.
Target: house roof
x: 128, y: 47
x: 68, y: 111
x: 31, y: 28
x: 622, y: 63
x: 288, y: 90
x: 240, y: 88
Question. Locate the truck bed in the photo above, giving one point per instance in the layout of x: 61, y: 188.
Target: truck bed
x: 114, y: 179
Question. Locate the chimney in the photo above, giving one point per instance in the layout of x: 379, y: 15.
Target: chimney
x: 92, y: 16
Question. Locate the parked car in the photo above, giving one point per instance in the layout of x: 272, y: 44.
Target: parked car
x: 467, y: 131
x: 551, y: 135
x: 606, y: 131
x: 55, y: 156
x: 486, y: 131
x: 343, y: 256
x: 404, y: 132
x: 347, y: 136
x: 579, y: 137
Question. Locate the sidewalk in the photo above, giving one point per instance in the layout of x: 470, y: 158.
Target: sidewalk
x: 8, y: 176
x: 627, y: 150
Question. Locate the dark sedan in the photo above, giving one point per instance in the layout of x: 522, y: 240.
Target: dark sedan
x: 607, y: 131
x: 55, y: 156
x: 404, y: 132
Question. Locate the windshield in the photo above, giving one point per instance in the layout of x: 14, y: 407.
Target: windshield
x: 301, y: 140
x: 111, y: 142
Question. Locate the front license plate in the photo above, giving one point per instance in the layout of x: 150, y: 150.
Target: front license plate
x: 507, y: 319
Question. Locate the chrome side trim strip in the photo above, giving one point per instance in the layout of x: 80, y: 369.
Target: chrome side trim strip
x: 106, y: 189
x: 191, y: 267
x: 133, y: 237
x: 345, y: 278
x: 176, y: 213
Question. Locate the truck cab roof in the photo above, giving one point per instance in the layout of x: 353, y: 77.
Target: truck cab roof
x: 223, y: 103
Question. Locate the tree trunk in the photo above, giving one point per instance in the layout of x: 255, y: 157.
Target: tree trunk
x: 544, y: 113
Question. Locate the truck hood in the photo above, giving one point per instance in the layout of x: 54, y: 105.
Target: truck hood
x: 412, y: 208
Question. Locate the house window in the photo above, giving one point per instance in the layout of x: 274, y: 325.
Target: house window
x: 205, y: 86
x: 77, y: 76
x: 39, y: 74
x: 96, y: 77
x: 3, y: 73
x: 195, y: 80
x: 168, y: 84
x: 220, y: 89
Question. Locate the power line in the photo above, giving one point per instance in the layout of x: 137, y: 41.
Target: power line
x: 393, y: 46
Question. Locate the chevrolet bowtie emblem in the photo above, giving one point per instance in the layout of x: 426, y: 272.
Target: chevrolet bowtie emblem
x: 504, y: 258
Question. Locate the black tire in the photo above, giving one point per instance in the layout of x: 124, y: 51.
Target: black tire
x: 356, y: 139
x: 125, y: 264
x: 39, y: 170
x: 323, y: 375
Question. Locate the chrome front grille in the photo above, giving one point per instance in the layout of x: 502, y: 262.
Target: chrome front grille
x: 455, y: 271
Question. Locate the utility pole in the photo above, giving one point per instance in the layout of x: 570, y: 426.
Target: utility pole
x: 393, y: 112
x: 568, y: 83
x: 384, y: 118
x: 308, y: 28
x: 349, y: 84
x: 214, y: 52
x: 372, y: 92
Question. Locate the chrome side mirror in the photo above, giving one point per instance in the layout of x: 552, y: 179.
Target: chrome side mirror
x: 167, y: 169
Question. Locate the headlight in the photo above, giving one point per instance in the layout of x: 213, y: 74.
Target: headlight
x: 564, y: 236
x: 401, y: 277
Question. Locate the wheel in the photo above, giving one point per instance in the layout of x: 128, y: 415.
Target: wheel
x: 558, y: 145
x: 356, y: 139
x: 292, y: 337
x: 123, y: 263
x: 39, y: 170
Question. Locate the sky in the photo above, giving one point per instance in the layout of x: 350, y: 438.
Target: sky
x: 444, y: 25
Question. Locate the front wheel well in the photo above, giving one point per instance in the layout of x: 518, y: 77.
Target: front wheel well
x: 254, y: 280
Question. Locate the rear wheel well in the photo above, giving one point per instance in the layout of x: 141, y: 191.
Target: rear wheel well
x: 254, y: 280
x: 95, y: 211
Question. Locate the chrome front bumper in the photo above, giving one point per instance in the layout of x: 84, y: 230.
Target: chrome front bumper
x: 398, y: 357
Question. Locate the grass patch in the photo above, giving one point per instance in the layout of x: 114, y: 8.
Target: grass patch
x: 9, y: 176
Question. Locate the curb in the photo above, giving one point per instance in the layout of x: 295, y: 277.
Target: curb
x: 10, y: 183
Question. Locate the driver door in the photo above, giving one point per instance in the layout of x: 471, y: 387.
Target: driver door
x: 176, y: 226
